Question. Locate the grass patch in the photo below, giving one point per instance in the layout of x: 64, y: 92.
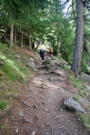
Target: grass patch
x: 8, y: 92
x: 67, y: 67
x: 3, y: 130
x: 3, y: 105
x: 13, y: 68
x: 1, y: 73
x: 77, y: 97
x: 12, y: 72
x: 85, y: 118
x: 80, y: 85
x: 82, y: 93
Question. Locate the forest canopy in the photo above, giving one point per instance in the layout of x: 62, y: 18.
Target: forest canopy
x: 58, y: 23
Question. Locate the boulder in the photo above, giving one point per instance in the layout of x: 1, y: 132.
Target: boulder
x: 88, y: 69
x: 52, y: 63
x: 1, y: 62
x: 73, y: 105
x: 31, y: 64
x: 85, y: 77
x: 88, y: 87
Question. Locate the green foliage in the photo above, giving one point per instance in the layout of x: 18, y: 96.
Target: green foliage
x: 1, y: 73
x: 12, y: 68
x: 85, y: 118
x: 77, y: 97
x: 79, y: 84
x: 84, y: 68
x: 2, y: 127
x: 11, y: 71
x: 3, y: 105
x: 67, y: 41
x: 59, y: 31
x: 67, y: 67
x: 41, y: 21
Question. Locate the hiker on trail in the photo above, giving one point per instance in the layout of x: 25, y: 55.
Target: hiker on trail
x: 42, y: 54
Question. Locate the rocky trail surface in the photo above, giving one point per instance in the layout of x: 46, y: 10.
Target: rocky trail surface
x: 39, y: 108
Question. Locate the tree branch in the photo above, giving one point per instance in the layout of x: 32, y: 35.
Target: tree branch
x: 63, y: 4
x: 87, y: 4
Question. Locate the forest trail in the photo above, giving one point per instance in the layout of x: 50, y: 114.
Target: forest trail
x: 39, y: 108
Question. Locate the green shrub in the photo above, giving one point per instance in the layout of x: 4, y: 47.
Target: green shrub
x: 13, y: 68
x: 79, y: 84
x: 85, y: 68
x: 3, y: 105
x: 11, y: 72
x: 85, y: 118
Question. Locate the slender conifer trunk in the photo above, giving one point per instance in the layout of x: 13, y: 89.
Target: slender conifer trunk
x: 12, y: 36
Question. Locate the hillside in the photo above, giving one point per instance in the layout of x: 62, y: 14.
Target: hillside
x: 14, y: 72
x: 31, y: 100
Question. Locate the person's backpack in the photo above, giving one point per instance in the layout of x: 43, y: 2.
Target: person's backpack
x: 51, y: 50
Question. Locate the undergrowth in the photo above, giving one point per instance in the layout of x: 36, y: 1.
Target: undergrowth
x: 3, y: 105
x: 82, y: 93
x: 80, y: 85
x: 85, y: 118
x: 12, y: 67
x: 13, y: 73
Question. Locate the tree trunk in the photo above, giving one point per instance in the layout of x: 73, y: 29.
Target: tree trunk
x: 79, y: 42
x: 30, y: 44
x: 22, y: 42
x: 58, y: 45
x: 12, y: 35
x: 33, y: 46
x: 15, y: 35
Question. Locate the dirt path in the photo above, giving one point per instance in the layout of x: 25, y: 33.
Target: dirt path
x: 39, y: 109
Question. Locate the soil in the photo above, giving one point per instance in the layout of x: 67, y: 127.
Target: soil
x: 39, y: 108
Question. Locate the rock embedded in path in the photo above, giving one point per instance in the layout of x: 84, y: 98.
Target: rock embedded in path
x: 27, y: 120
x: 33, y: 133
x: 17, y: 56
x: 17, y: 130
x: 57, y: 72
x: 21, y: 114
x: 25, y: 103
x: 35, y: 106
x: 31, y: 64
x: 51, y: 63
x: 73, y: 105
x: 51, y: 79
x: 43, y: 86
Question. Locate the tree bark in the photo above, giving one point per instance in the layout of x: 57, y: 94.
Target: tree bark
x: 12, y: 36
x: 58, y: 45
x: 15, y: 35
x: 30, y: 43
x: 79, y: 41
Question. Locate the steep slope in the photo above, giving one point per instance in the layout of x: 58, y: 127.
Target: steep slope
x: 13, y: 73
